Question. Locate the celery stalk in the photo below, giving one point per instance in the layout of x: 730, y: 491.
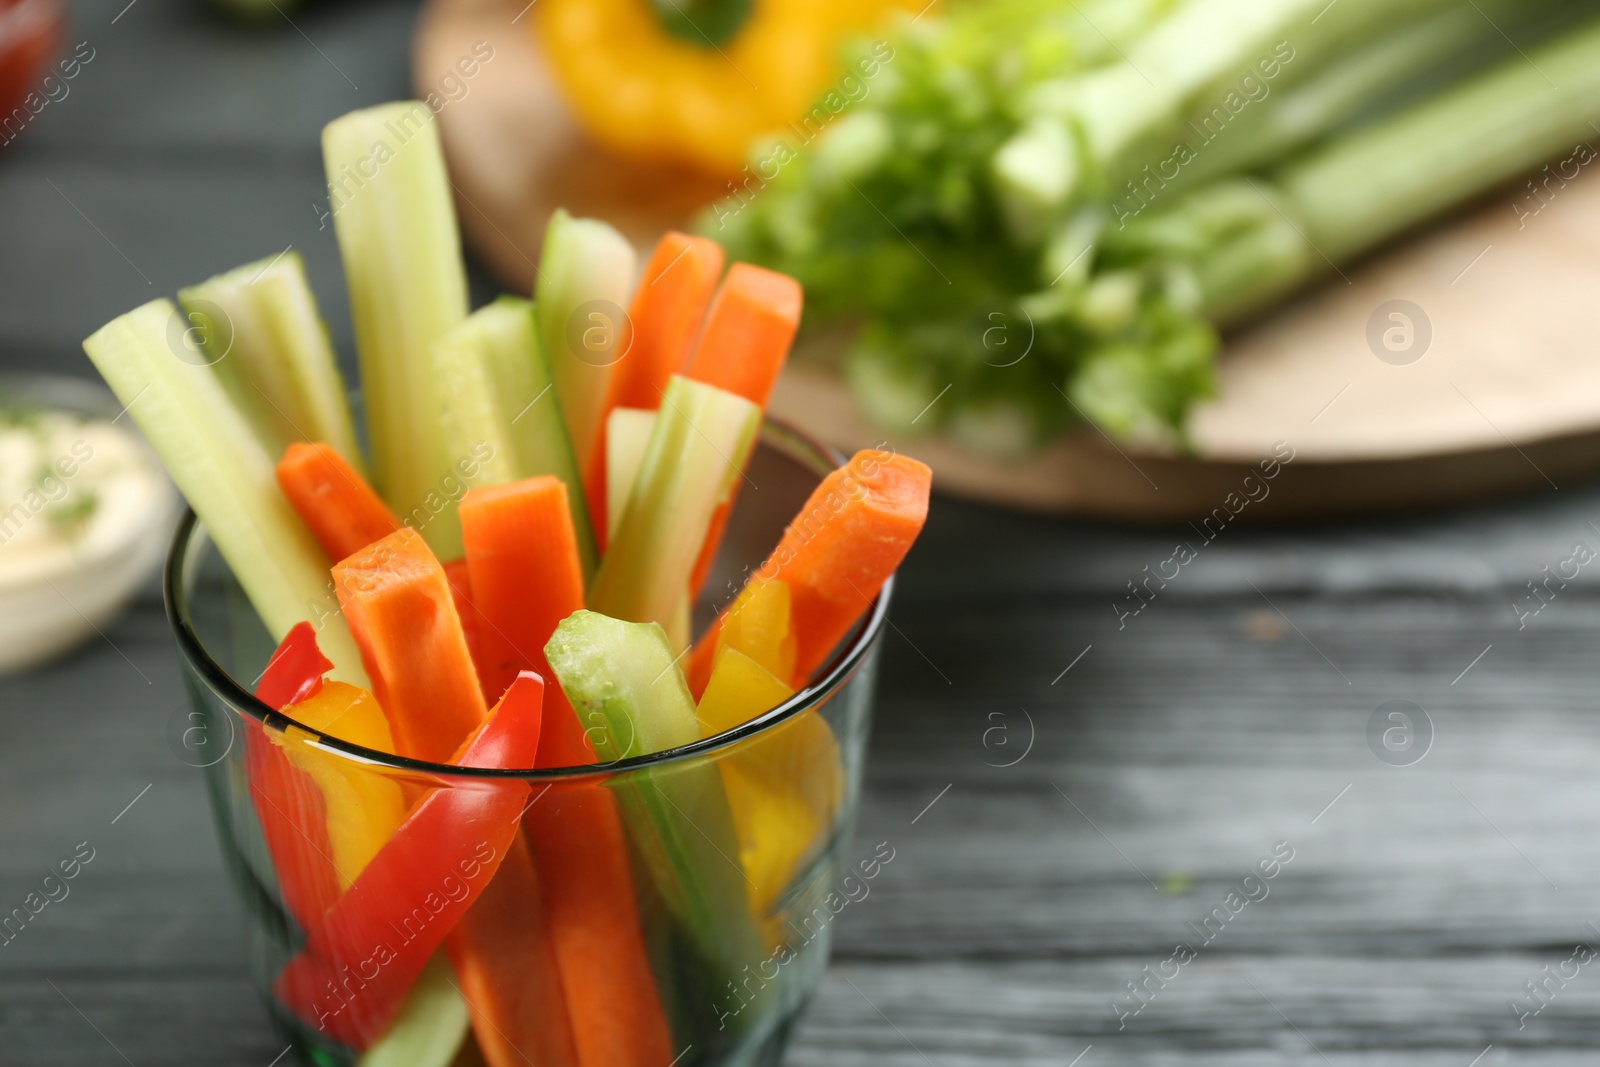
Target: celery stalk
x: 430, y: 1026
x: 396, y: 224
x: 586, y: 274
x: 1386, y: 178
x: 622, y: 678
x: 259, y: 327
x: 216, y: 460
x: 496, y: 391
x: 627, y: 436
x: 698, y: 446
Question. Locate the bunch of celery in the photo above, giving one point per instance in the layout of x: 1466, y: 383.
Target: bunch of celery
x: 1044, y: 210
x: 549, y: 480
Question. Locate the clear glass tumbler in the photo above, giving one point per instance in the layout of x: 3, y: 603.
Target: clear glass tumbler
x: 673, y: 907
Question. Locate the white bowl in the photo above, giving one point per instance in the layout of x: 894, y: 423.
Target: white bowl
x: 54, y: 600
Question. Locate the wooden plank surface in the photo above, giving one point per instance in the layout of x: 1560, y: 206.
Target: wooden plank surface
x: 1225, y: 717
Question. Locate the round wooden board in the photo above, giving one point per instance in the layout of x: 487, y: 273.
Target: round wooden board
x: 1506, y: 397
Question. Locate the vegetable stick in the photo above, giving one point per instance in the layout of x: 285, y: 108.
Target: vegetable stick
x: 585, y: 278
x: 259, y: 327
x: 848, y: 538
x: 498, y: 398
x: 429, y: 1028
x: 355, y: 969
x: 402, y: 613
x: 666, y: 313
x: 577, y: 836
x: 784, y: 785
x: 748, y: 333
x: 332, y: 498
x: 289, y: 807
x: 219, y: 465
x: 525, y: 578
x: 505, y: 958
x: 364, y: 806
x: 396, y: 224
x: 473, y: 625
x: 622, y: 676
x: 698, y: 446
x: 627, y: 436
x: 522, y: 565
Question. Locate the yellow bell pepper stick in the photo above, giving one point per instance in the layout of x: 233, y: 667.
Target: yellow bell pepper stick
x: 697, y: 81
x: 785, y: 785
x: 364, y: 807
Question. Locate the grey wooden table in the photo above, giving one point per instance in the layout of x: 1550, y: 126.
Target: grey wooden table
x: 1068, y: 800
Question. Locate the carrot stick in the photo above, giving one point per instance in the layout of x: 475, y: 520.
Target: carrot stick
x: 398, y: 603
x: 666, y: 312
x: 344, y: 513
x: 749, y: 329
x: 504, y: 957
x: 522, y: 558
x: 617, y: 1018
x: 848, y: 538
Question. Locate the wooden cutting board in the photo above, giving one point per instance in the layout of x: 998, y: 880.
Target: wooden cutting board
x: 1487, y: 385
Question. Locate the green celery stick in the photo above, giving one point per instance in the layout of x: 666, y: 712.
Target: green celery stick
x: 586, y: 273
x: 213, y: 455
x: 698, y: 446
x: 627, y: 436
x: 430, y: 1026
x: 621, y: 677
x: 495, y: 389
x: 396, y: 224
x: 258, y: 326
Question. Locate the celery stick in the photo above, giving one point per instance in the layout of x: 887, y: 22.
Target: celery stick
x: 586, y: 274
x: 214, y: 457
x: 1372, y: 184
x: 627, y: 436
x: 258, y: 326
x: 430, y: 1026
x: 496, y: 390
x: 621, y: 677
x: 392, y: 212
x: 698, y: 446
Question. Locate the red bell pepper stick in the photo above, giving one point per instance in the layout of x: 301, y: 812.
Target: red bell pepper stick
x: 357, y: 966
x: 289, y: 806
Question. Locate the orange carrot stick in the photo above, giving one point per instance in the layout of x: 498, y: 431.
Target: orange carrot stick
x: 667, y: 309
x: 617, y: 1018
x: 503, y: 955
x: 749, y: 330
x: 344, y: 514
x: 398, y: 602
x: 846, y: 541
x: 522, y: 557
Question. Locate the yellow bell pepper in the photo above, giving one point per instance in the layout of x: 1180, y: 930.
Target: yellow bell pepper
x: 785, y: 785
x: 365, y: 808
x: 697, y: 81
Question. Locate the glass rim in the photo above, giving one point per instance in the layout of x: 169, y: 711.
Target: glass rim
x: 838, y: 670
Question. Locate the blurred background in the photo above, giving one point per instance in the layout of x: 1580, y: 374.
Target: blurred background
x: 1254, y: 357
